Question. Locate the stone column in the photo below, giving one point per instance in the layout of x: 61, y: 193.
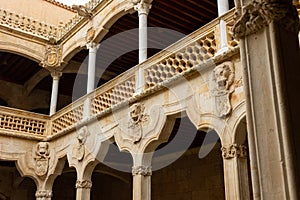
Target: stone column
x: 141, y: 182
x: 235, y: 172
x: 223, y: 7
x: 143, y: 8
x: 83, y: 189
x: 55, y: 77
x: 93, y: 47
x: 269, y: 49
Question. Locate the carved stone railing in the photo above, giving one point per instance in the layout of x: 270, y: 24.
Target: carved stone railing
x: 192, y: 51
x: 27, y: 25
x: 23, y: 123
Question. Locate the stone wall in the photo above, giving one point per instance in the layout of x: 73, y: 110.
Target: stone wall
x: 191, y: 178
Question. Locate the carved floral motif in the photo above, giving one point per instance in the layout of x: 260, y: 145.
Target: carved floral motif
x: 233, y: 151
x: 257, y: 15
x: 223, y: 79
x: 43, y: 194
x: 137, y: 117
x: 42, y: 155
x: 142, y: 170
x: 86, y: 184
x: 79, y: 149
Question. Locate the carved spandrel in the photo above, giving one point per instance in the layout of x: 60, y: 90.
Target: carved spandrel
x: 223, y: 79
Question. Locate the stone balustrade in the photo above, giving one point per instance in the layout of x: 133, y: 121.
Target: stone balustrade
x: 193, y: 51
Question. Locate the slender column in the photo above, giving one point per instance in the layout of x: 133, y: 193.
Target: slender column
x: 91, y: 66
x: 269, y: 49
x: 235, y: 172
x: 55, y: 76
x: 83, y: 189
x: 223, y: 7
x: 141, y: 182
x: 143, y: 8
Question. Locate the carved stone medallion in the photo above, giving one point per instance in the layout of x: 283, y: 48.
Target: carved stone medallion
x: 90, y: 35
x: 79, y: 148
x: 137, y: 117
x: 223, y: 79
x: 42, y: 155
x: 52, y: 57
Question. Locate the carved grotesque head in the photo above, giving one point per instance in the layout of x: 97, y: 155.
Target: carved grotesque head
x: 136, y: 112
x: 42, y: 149
x: 224, y: 76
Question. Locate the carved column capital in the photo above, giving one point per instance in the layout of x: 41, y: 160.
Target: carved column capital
x: 43, y: 194
x: 92, y: 47
x: 142, y: 170
x: 85, y: 184
x: 56, y: 74
x: 142, y: 6
x: 256, y: 15
x: 234, y: 151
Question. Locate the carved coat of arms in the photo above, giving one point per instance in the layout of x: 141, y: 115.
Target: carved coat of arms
x: 42, y: 155
x: 79, y: 148
x: 223, y: 79
x: 52, y: 56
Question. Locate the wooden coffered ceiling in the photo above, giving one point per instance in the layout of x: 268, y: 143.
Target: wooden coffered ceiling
x: 183, y: 16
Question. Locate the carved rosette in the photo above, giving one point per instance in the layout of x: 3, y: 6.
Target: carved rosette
x: 90, y: 35
x: 52, y: 58
x: 137, y: 118
x: 234, y: 151
x: 79, y: 148
x: 257, y: 15
x: 43, y: 194
x: 223, y: 79
x: 41, y: 157
x: 142, y: 6
x: 85, y: 184
x: 142, y: 170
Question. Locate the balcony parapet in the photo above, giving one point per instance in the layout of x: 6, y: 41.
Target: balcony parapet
x: 24, y: 124
x: 183, y: 58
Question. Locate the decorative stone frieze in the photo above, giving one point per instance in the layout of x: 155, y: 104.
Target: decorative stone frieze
x: 142, y: 170
x: 137, y: 118
x: 234, y: 150
x: 79, y: 148
x: 52, y: 59
x: 41, y: 157
x: 257, y: 15
x: 223, y: 79
x: 43, y: 194
x: 142, y: 6
x: 85, y: 184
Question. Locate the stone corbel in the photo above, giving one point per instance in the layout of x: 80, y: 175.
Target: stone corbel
x: 256, y: 15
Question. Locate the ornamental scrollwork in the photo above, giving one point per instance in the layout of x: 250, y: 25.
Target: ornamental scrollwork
x: 137, y: 118
x: 234, y: 151
x: 223, y: 78
x: 257, y: 15
x: 142, y: 170
x: 41, y: 157
x: 86, y: 184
